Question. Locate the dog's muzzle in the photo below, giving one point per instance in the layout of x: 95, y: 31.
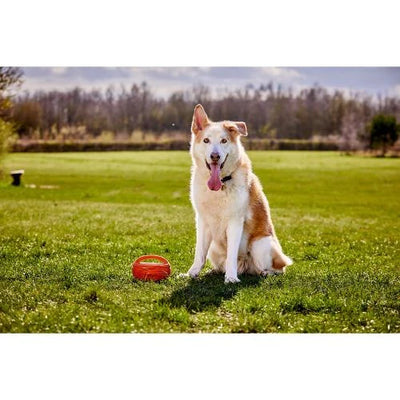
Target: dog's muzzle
x: 221, y: 166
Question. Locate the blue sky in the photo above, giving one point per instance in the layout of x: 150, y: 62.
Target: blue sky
x: 164, y: 80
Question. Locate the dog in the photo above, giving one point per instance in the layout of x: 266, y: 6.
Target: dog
x: 234, y: 229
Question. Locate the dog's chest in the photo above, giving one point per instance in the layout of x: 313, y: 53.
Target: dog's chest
x: 219, y: 207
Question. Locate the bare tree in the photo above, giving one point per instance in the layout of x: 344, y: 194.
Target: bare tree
x: 313, y: 112
x: 9, y: 78
x: 350, y: 132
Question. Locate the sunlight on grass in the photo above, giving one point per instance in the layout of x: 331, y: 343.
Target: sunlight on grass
x: 69, y: 236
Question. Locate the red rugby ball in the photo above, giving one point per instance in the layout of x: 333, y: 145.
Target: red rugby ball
x: 147, y: 270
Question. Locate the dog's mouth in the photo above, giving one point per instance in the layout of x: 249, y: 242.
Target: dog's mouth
x: 216, y: 163
x: 214, y: 183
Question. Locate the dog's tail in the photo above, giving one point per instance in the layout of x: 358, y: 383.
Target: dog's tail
x: 280, y: 260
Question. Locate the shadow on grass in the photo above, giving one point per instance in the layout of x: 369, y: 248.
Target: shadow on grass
x: 208, y: 291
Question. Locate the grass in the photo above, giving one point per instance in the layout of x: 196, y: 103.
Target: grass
x: 66, y: 246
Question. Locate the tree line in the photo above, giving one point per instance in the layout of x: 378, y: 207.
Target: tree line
x: 269, y: 110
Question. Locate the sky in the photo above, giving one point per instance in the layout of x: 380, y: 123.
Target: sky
x: 165, y: 80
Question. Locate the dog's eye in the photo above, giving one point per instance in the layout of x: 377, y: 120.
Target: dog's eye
x: 206, y: 140
x: 224, y: 141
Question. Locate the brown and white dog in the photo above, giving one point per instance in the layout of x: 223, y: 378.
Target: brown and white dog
x: 233, y: 222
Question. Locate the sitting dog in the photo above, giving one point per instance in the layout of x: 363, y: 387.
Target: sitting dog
x: 233, y: 221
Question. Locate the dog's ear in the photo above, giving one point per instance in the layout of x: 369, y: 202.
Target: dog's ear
x: 242, y: 128
x: 236, y: 128
x: 200, y: 119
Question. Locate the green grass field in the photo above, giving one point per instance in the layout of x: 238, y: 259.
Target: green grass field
x: 66, y: 246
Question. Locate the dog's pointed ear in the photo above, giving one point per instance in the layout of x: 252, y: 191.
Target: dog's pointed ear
x: 200, y: 119
x: 242, y: 128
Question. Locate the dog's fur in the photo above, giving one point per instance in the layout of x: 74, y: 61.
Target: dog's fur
x: 233, y: 222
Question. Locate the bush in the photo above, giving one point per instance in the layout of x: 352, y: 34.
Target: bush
x: 384, y: 132
x: 7, y: 137
x: 56, y: 147
x: 170, y: 144
x: 289, y: 144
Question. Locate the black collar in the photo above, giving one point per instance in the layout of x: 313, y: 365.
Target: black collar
x: 226, y: 178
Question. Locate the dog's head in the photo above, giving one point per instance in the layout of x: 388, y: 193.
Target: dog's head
x: 216, y: 145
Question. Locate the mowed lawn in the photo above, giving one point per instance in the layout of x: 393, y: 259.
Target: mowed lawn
x: 67, y: 244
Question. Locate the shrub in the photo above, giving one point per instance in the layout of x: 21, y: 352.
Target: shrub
x: 55, y: 146
x: 384, y: 132
x: 167, y: 144
x: 289, y: 144
x: 7, y: 137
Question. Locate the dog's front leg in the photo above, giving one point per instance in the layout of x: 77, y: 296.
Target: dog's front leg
x: 203, y: 240
x: 234, y: 235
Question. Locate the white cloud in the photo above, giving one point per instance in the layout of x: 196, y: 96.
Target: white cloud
x: 59, y: 70
x: 165, y: 80
x: 395, y: 91
x: 282, y: 73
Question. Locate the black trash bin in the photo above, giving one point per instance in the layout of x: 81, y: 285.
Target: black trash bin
x: 16, y: 175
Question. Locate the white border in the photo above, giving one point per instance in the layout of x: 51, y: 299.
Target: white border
x: 182, y: 366
x: 200, y: 33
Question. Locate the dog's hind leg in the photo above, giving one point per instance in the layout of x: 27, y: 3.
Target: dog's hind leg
x: 261, y: 257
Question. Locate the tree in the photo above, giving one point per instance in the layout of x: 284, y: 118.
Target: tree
x: 7, y: 134
x: 350, y: 132
x: 9, y: 76
x: 384, y: 131
x: 268, y: 111
x: 27, y: 115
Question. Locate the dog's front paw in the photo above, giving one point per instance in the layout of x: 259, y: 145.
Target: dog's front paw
x: 231, y: 279
x: 193, y: 272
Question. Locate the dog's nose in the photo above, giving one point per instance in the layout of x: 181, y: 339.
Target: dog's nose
x: 215, y: 156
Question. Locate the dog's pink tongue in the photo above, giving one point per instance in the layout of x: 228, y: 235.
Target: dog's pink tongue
x: 214, y: 183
